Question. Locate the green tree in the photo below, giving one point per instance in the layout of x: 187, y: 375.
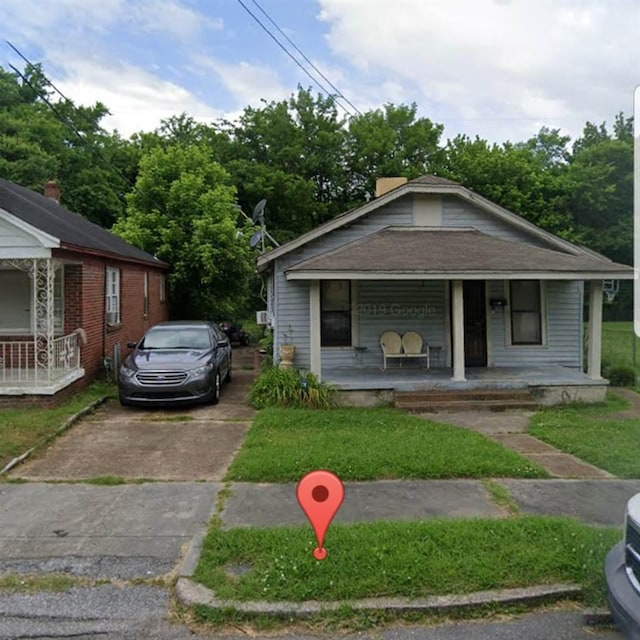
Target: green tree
x: 391, y: 141
x: 183, y: 211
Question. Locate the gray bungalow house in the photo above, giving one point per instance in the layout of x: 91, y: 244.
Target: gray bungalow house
x: 496, y: 302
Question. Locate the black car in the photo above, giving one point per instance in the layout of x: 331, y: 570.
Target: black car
x: 176, y: 363
x: 235, y: 333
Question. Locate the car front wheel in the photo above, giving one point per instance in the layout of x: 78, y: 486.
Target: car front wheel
x: 215, y: 388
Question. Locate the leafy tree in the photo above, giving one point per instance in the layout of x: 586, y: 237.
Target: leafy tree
x: 390, y: 142
x: 183, y: 211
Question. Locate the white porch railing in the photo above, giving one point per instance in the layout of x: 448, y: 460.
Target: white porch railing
x: 18, y: 367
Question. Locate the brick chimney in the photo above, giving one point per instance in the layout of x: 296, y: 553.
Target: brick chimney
x: 52, y: 190
x: 383, y: 185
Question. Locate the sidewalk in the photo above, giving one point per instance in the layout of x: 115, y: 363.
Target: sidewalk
x: 598, y: 502
x: 509, y: 428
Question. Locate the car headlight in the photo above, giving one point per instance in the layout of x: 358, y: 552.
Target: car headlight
x: 126, y: 371
x: 200, y: 371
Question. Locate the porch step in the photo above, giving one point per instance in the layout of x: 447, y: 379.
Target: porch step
x: 487, y: 399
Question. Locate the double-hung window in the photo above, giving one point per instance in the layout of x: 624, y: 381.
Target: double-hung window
x: 526, y: 312
x: 335, y: 313
x: 113, y: 296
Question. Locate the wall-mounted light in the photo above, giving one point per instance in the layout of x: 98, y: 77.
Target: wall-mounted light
x: 497, y: 303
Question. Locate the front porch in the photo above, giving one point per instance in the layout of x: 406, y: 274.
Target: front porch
x: 536, y: 386
x: 37, y: 366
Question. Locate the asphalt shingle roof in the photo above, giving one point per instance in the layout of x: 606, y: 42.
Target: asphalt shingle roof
x: 434, y: 250
x: 71, y: 228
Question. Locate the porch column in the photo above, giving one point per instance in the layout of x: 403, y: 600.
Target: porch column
x: 41, y: 273
x: 315, y: 364
x: 595, y: 329
x: 458, y: 331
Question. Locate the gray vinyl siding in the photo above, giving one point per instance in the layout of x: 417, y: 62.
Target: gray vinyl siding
x: 292, y: 297
x: 563, y: 316
x: 460, y: 213
x: 392, y: 306
x: 563, y: 300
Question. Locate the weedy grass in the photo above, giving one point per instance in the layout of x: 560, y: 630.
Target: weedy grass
x: 584, y: 431
x: 23, y: 428
x: 368, y: 444
x: 409, y: 559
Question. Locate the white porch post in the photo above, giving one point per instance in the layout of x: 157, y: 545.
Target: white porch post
x: 315, y: 364
x: 41, y: 272
x: 595, y: 329
x: 458, y: 331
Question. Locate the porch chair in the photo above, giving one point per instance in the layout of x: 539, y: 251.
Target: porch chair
x: 391, y: 344
x: 412, y: 344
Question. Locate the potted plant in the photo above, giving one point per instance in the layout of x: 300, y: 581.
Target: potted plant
x: 287, y: 349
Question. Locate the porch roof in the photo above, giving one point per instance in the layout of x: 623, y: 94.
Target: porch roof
x: 444, y: 253
x: 69, y: 228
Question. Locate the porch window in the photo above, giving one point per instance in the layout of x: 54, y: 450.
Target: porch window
x: 526, y: 319
x: 335, y: 313
x: 113, y: 296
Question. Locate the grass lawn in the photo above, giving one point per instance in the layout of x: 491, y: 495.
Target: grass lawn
x: 368, y: 444
x: 21, y: 429
x: 617, y: 344
x: 408, y: 559
x: 612, y: 445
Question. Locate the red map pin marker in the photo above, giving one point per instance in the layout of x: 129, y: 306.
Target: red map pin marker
x: 320, y: 494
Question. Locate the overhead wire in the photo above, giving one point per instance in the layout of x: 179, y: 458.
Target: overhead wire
x: 313, y: 66
x: 298, y: 63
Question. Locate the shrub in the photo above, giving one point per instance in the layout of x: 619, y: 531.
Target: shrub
x: 289, y: 388
x: 621, y: 376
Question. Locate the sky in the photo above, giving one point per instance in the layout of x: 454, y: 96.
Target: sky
x: 500, y: 69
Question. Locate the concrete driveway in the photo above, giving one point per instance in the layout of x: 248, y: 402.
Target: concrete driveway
x: 188, y: 443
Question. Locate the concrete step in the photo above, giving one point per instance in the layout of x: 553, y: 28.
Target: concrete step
x: 468, y: 405
x: 491, y: 399
x: 470, y: 394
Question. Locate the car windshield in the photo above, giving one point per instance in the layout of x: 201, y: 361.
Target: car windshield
x: 177, y: 338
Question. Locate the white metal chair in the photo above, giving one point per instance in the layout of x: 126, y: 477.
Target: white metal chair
x: 391, y: 344
x: 412, y: 344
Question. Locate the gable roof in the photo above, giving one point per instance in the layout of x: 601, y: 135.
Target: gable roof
x: 71, y: 229
x: 428, y: 184
x: 443, y: 253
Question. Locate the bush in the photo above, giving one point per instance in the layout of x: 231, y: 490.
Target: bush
x: 621, y: 376
x: 289, y: 388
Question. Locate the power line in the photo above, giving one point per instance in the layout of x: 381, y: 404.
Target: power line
x: 60, y: 117
x: 270, y: 34
x: 313, y: 66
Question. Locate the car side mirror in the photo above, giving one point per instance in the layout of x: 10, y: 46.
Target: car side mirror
x: 222, y: 343
x: 132, y: 345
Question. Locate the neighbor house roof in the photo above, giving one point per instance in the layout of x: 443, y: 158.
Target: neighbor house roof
x: 443, y: 253
x: 428, y: 184
x: 71, y: 229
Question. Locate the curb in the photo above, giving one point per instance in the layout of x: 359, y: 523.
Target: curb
x: 598, y: 618
x: 190, y: 594
x: 191, y: 557
x: 65, y: 425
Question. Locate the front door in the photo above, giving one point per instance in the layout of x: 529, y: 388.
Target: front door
x: 475, y: 323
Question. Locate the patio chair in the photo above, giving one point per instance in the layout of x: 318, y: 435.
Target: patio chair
x: 391, y: 344
x: 412, y: 344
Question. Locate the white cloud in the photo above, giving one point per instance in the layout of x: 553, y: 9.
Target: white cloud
x: 136, y: 99
x: 247, y: 83
x: 522, y: 62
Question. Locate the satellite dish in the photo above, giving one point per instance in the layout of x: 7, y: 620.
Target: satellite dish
x: 255, y: 238
x: 258, y: 212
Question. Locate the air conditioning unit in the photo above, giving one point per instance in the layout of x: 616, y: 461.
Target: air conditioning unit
x: 112, y: 317
x: 261, y: 317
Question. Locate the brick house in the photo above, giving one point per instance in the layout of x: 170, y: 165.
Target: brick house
x: 72, y: 294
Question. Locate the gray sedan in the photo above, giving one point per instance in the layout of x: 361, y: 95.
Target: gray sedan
x: 176, y: 363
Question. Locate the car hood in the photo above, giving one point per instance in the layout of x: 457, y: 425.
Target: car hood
x: 167, y: 359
